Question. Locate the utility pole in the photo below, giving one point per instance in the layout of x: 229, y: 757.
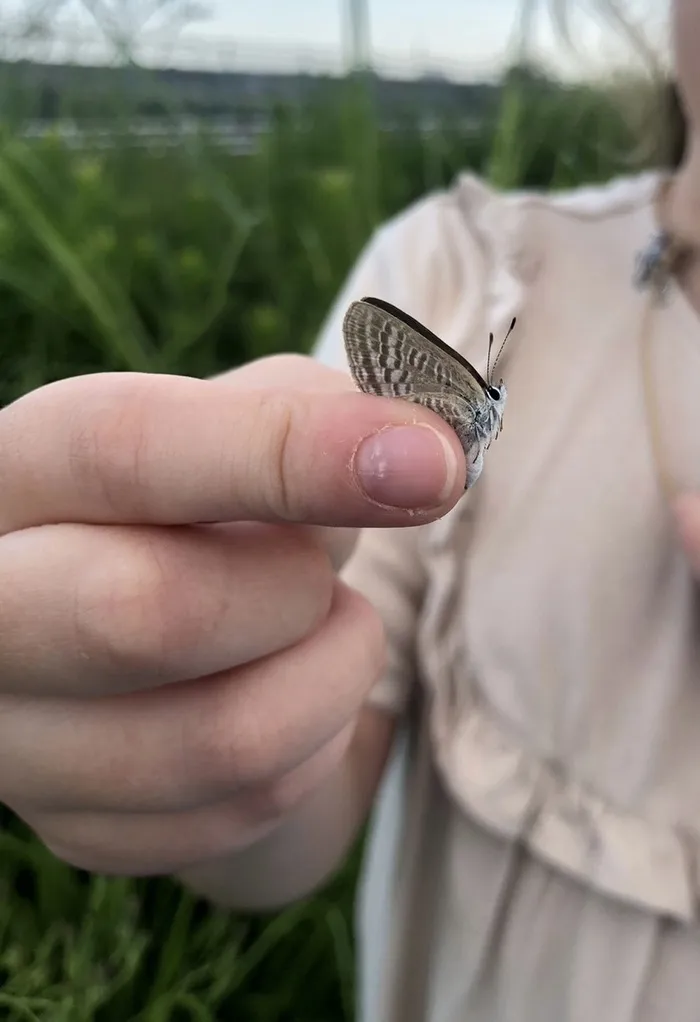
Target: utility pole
x: 356, y: 34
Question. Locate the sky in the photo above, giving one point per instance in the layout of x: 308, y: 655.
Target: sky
x: 420, y: 30
x: 460, y: 38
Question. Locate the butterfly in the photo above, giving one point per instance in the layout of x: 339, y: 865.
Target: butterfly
x: 393, y: 355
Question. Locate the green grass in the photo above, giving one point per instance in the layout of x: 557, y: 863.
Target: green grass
x: 75, y: 948
x: 191, y: 261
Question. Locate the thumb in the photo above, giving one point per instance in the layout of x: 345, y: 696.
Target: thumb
x: 121, y: 448
x: 300, y: 373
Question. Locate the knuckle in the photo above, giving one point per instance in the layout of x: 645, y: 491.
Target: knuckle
x: 245, y: 745
x: 312, y: 581
x: 284, y: 796
x: 247, y: 741
x: 266, y: 804
x: 226, y: 745
x: 278, y: 415
x: 232, y: 754
x: 130, y: 613
x: 370, y: 639
x: 107, y: 453
x: 272, y: 802
x: 288, y: 791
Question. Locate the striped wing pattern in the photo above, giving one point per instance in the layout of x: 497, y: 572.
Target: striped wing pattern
x: 390, y: 358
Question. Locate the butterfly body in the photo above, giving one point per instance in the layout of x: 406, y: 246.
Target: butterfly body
x: 392, y: 355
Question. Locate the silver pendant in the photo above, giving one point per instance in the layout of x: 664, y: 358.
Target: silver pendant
x: 393, y: 355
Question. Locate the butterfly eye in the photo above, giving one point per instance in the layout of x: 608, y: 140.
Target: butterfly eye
x: 495, y: 393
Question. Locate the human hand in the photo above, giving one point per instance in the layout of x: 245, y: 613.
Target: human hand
x: 169, y: 688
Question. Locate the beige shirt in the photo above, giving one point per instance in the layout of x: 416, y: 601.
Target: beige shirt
x: 551, y: 622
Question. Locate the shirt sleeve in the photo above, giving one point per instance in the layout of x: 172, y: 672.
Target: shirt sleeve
x: 417, y: 262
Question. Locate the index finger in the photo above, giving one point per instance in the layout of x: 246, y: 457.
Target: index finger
x: 138, y: 448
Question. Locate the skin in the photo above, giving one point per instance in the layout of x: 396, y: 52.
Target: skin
x: 319, y: 832
x: 171, y: 690
x: 187, y: 698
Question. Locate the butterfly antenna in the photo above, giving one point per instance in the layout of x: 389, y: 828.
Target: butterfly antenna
x: 488, y: 359
x: 495, y: 362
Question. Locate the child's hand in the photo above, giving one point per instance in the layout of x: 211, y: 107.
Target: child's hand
x: 168, y: 689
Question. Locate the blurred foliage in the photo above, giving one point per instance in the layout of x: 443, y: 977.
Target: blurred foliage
x: 179, y: 256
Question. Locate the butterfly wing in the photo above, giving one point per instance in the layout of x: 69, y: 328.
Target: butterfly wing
x: 392, y: 355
